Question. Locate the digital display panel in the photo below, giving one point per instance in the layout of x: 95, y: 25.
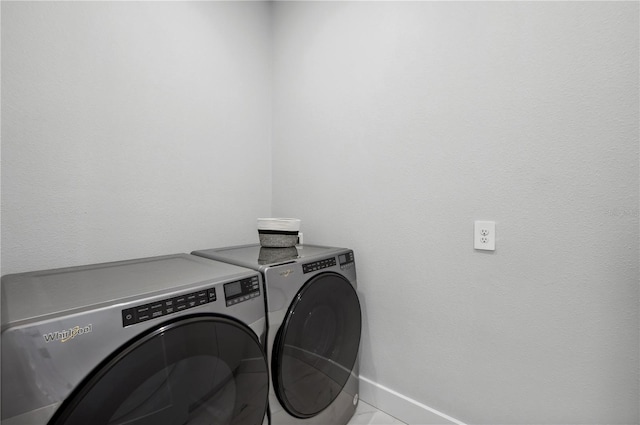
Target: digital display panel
x: 232, y: 289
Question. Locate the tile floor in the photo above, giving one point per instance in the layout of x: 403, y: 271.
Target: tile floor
x: 369, y: 415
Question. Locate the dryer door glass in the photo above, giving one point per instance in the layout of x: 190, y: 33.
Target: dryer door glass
x: 200, y: 370
x: 317, y: 346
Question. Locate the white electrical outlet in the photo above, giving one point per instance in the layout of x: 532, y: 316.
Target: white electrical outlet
x: 484, y: 235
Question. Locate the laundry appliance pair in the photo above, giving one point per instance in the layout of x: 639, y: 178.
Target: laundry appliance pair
x: 183, y: 339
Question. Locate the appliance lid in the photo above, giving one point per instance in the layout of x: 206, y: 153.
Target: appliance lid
x: 33, y: 295
x: 258, y: 258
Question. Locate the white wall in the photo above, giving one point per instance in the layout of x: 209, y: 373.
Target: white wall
x: 132, y: 129
x: 397, y: 124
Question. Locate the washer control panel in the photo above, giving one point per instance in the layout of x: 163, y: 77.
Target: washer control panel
x: 144, y: 312
x: 234, y: 293
x: 318, y: 265
x: 241, y: 290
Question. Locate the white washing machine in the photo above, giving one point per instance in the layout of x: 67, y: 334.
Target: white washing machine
x: 314, y: 321
x: 158, y: 341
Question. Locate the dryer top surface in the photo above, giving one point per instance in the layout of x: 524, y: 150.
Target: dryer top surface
x: 259, y: 258
x: 35, y: 294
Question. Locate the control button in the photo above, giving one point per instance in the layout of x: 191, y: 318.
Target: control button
x: 129, y: 317
x: 156, y: 310
x: 212, y: 294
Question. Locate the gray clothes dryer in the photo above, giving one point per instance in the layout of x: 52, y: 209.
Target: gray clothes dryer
x: 167, y: 340
x: 314, y: 327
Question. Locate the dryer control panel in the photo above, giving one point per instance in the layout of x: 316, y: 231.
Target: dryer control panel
x: 318, y: 265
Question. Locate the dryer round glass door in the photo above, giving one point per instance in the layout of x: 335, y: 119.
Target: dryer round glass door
x: 316, y: 348
x: 203, y: 369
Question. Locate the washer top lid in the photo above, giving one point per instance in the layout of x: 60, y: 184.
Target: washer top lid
x: 32, y: 295
x: 259, y: 258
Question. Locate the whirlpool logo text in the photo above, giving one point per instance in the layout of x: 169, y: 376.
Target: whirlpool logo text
x: 66, y: 335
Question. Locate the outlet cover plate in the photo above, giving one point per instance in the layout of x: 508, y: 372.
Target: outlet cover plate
x: 484, y: 235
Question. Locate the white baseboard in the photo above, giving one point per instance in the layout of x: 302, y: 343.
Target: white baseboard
x: 401, y: 407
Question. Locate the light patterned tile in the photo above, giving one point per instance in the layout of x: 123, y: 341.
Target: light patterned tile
x: 368, y: 415
x: 365, y: 408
